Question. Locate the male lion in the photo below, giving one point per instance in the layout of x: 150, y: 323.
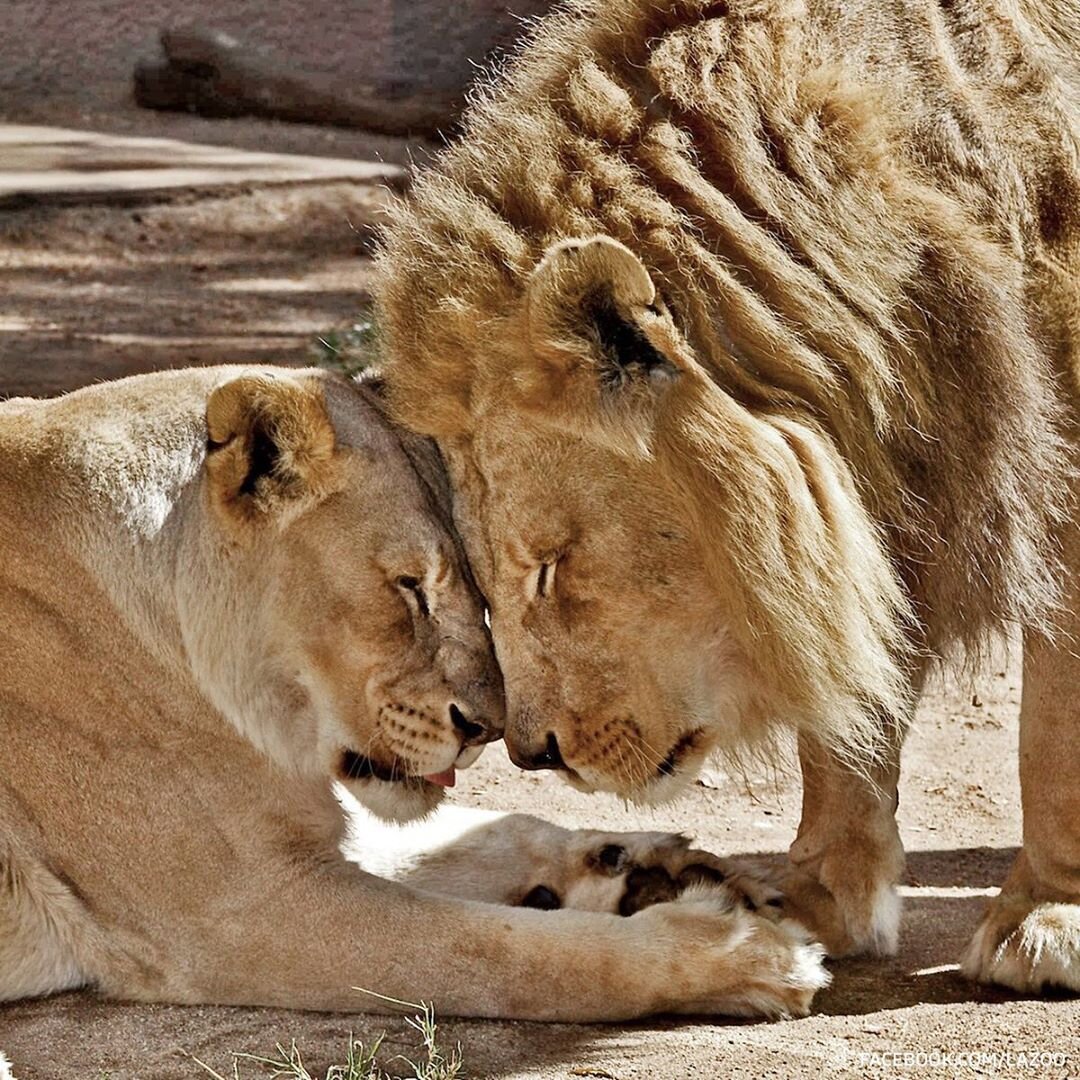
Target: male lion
x: 222, y: 589
x: 749, y: 331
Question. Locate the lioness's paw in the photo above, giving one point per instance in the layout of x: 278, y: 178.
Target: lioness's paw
x: 732, y: 961
x: 625, y: 873
x: 1026, y: 945
x: 749, y: 886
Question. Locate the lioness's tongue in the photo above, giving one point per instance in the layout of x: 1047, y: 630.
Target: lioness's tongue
x: 446, y: 778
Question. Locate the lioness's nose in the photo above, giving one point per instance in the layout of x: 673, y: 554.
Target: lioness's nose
x: 474, y: 731
x: 539, y: 755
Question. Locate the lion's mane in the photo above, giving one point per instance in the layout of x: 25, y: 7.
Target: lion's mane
x: 863, y: 216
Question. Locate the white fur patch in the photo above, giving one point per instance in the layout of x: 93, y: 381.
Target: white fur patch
x: 808, y: 968
x: 885, y: 921
x: 387, y: 847
x: 5, y: 1068
x: 398, y: 801
x: 1044, y: 950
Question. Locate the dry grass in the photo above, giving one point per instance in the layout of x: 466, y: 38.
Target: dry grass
x: 361, y: 1059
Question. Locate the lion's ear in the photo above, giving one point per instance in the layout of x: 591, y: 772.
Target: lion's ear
x: 270, y: 444
x: 601, y: 339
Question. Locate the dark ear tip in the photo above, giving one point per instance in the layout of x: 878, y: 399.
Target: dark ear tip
x: 626, y: 348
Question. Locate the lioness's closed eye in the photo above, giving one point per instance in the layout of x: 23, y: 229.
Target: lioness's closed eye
x: 221, y: 592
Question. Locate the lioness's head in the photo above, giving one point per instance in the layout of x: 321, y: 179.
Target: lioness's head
x: 668, y: 570
x: 328, y: 610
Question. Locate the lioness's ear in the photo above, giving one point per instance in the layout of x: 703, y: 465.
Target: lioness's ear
x: 602, y: 341
x: 270, y: 444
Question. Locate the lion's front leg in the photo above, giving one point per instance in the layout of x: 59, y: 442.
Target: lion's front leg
x: 847, y: 857
x: 1030, y: 935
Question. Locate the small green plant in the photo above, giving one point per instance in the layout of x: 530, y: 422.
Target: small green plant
x: 360, y: 1059
x: 352, y: 350
x: 359, y: 1063
x: 436, y: 1065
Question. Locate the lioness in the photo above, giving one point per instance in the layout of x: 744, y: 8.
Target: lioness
x: 220, y: 591
x: 749, y: 332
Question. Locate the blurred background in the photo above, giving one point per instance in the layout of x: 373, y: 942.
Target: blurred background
x: 196, y: 182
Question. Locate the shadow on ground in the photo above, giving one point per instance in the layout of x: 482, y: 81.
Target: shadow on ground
x: 92, y: 293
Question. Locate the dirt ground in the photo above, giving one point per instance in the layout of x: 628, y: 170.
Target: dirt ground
x: 90, y: 292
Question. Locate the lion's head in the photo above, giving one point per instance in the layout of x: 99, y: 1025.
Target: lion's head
x: 717, y: 367
x: 667, y: 571
x: 326, y: 607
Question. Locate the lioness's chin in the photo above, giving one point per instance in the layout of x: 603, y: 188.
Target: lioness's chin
x: 396, y: 800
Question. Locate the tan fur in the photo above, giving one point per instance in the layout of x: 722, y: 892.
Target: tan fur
x: 221, y: 591
x: 749, y: 331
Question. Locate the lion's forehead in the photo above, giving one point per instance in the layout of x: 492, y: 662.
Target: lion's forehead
x: 551, y: 493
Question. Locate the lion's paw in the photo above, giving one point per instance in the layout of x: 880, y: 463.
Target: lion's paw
x: 1026, y: 945
x: 845, y: 891
x: 854, y: 916
x: 733, y: 961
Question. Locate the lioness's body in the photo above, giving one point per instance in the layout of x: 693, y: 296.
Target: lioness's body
x: 220, y: 591
x: 751, y: 335
x: 130, y: 813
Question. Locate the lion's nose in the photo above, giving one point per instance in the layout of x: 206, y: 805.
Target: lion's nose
x: 475, y: 731
x: 543, y: 755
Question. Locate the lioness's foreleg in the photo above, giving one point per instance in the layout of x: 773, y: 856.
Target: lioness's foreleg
x: 1030, y: 935
x: 307, y: 935
x: 847, y: 855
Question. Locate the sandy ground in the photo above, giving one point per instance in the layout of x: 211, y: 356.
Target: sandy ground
x: 252, y: 276
x: 91, y: 292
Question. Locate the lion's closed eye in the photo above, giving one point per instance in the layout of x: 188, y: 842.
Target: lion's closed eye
x: 415, y: 594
